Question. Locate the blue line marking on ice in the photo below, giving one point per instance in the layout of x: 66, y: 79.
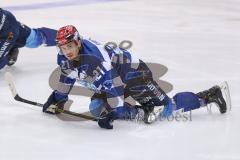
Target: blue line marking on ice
x: 54, y: 4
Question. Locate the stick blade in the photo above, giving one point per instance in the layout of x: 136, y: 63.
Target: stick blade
x: 9, y: 79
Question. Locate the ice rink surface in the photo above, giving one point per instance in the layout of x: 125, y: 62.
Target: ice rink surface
x: 199, y: 42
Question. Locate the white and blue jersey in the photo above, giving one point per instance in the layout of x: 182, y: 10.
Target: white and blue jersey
x: 100, y: 68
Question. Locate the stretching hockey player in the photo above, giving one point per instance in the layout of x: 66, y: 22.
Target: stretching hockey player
x: 14, y: 35
x: 113, y: 75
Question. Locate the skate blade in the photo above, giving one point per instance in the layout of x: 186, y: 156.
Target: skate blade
x: 226, y: 95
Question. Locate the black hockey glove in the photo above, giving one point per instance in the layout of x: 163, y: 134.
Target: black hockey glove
x: 52, y: 106
x: 12, y: 56
x: 106, y: 119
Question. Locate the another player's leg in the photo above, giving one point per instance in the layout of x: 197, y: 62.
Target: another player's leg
x: 37, y: 37
x: 41, y: 36
x: 31, y: 38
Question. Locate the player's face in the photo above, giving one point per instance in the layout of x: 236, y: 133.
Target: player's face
x: 71, y: 50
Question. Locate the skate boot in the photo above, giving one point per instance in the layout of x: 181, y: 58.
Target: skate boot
x: 146, y: 114
x: 12, y: 56
x: 214, y: 95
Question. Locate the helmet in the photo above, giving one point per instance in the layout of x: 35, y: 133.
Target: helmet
x: 67, y: 34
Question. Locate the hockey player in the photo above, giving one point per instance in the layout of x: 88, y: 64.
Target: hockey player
x: 14, y: 35
x: 113, y: 76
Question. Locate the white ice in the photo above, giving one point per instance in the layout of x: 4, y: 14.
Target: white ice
x: 198, y: 40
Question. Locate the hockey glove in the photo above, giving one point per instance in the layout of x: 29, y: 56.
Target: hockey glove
x: 12, y: 56
x: 106, y: 119
x: 149, y: 114
x: 53, y: 106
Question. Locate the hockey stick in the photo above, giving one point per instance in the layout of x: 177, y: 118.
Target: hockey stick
x: 9, y: 79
